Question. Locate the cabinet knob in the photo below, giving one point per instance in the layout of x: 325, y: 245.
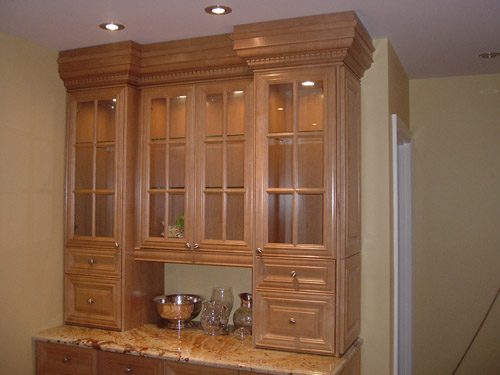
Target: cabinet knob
x: 259, y: 251
x: 66, y: 359
x: 292, y: 321
x: 116, y: 245
x: 188, y: 245
x: 196, y: 246
x: 92, y: 261
x: 90, y: 301
x: 128, y: 370
x: 293, y: 274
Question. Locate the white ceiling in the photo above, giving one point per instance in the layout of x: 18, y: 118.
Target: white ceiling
x: 432, y: 37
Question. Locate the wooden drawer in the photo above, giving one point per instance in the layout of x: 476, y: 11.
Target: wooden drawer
x: 92, y: 262
x: 298, y: 275
x: 92, y: 301
x: 179, y: 368
x: 293, y: 321
x: 118, y: 364
x: 57, y: 359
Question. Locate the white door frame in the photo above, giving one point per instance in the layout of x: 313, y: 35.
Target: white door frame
x: 402, y: 247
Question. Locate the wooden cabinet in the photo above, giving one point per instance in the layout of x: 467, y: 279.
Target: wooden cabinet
x: 176, y: 368
x: 118, y: 364
x: 197, y: 179
x: 101, y: 275
x: 57, y: 359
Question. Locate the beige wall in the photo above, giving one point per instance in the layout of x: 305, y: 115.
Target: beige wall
x: 457, y: 216
x: 32, y: 116
x: 384, y: 90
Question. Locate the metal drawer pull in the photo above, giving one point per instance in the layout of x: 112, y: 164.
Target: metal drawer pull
x: 66, y: 359
x: 196, y: 246
x: 92, y: 261
x: 259, y: 251
x: 292, y: 320
x: 90, y: 301
x: 293, y: 274
x: 188, y: 245
x: 128, y: 369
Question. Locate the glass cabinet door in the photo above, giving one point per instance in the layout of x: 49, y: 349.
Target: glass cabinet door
x: 295, y: 170
x: 168, y: 165
x: 224, y: 175
x: 93, y: 137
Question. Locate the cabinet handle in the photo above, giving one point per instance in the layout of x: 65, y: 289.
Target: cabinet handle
x: 259, y: 251
x: 196, y: 246
x: 128, y: 369
x: 92, y: 261
x: 293, y: 274
x: 66, y: 359
x: 90, y: 301
x: 188, y: 245
x: 116, y: 245
x: 292, y: 321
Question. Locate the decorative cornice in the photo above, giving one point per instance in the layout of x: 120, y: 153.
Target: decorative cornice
x: 195, y: 75
x: 296, y: 59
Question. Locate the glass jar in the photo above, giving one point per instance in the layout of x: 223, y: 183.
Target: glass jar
x: 242, y: 318
x: 212, y: 317
x: 224, y: 294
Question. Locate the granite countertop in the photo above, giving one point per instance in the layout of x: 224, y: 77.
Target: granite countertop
x: 191, y: 345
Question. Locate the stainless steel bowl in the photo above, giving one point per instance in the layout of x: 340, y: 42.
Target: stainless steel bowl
x: 178, y: 309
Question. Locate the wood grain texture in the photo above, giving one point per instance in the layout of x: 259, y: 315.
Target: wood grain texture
x: 64, y: 360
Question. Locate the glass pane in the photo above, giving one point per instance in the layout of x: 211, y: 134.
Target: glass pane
x: 105, y: 167
x: 157, y: 215
x: 214, y: 115
x: 85, y: 122
x: 175, y: 216
x: 310, y: 217
x: 280, y: 162
x: 235, y: 164
x: 106, y: 112
x: 83, y: 215
x: 311, y: 162
x: 280, y: 210
x: 83, y: 167
x: 311, y: 106
x: 178, y: 117
x: 235, y: 216
x: 236, y: 112
x: 213, y: 216
x: 158, y: 119
x: 213, y: 164
x: 177, y: 166
x: 104, y: 214
x: 281, y: 108
x: 157, y: 166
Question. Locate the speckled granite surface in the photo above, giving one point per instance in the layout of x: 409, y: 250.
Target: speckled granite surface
x: 191, y: 345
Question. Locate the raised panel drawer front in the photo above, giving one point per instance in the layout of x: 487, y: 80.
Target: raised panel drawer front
x: 177, y: 368
x: 93, y: 301
x: 92, y: 262
x: 57, y: 359
x: 298, y: 275
x: 118, y: 364
x: 296, y: 322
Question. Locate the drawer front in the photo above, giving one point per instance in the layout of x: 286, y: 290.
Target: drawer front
x: 92, y: 301
x: 296, y: 322
x: 64, y: 360
x: 298, y: 275
x: 92, y: 262
x: 119, y: 364
x: 178, y: 368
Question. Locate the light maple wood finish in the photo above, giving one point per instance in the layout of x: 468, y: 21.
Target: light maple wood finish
x: 102, y: 249
x: 58, y: 359
x: 206, y: 171
x: 118, y: 364
x: 172, y: 368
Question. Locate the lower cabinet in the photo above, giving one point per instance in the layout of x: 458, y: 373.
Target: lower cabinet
x: 179, y: 368
x: 118, y: 364
x: 57, y: 359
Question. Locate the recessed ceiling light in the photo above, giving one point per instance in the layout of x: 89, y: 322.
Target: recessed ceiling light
x: 489, y: 55
x: 218, y: 10
x: 307, y: 83
x: 111, y: 26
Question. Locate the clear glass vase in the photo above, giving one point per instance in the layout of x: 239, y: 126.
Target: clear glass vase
x: 242, y: 317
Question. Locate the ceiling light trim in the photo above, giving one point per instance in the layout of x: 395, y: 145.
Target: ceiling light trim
x: 111, y: 26
x: 218, y: 10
